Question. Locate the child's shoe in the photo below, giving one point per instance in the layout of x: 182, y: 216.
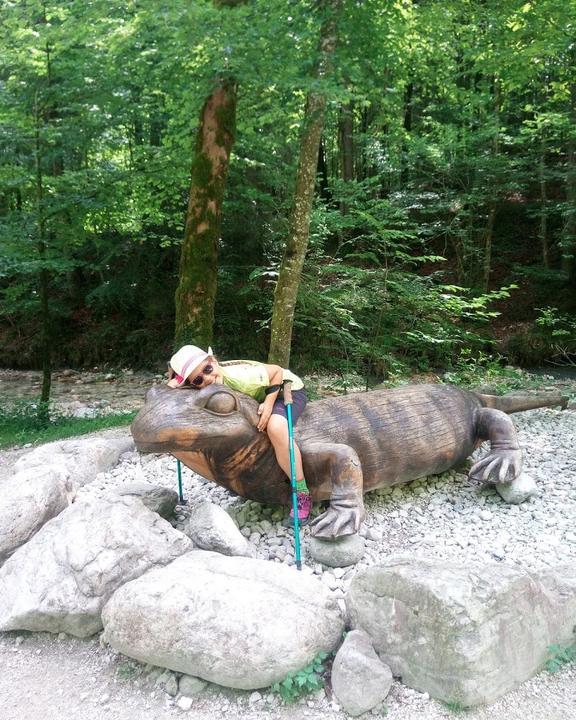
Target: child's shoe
x: 304, y: 507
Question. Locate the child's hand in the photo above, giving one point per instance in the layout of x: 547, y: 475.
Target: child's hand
x: 264, y: 412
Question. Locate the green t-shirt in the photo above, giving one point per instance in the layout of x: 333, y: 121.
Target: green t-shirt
x: 251, y: 377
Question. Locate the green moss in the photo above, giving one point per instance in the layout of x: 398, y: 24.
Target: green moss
x: 202, y: 172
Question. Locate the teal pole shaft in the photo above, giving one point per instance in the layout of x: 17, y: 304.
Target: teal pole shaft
x: 180, y: 493
x: 288, y: 404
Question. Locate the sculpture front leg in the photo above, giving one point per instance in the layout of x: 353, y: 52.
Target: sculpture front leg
x: 503, y: 463
x: 339, y: 465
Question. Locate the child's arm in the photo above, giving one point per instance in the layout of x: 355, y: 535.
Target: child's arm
x: 265, y: 410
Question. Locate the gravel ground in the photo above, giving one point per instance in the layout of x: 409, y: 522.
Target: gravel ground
x: 445, y: 517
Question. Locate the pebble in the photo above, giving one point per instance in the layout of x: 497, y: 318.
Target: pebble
x: 185, y: 703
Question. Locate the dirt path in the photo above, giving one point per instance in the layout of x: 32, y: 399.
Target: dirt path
x: 44, y: 677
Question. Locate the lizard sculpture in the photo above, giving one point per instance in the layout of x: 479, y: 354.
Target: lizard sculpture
x: 350, y: 444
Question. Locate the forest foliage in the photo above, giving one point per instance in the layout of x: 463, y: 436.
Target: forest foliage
x: 445, y: 190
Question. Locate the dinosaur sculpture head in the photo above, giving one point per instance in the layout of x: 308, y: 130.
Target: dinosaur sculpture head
x: 212, y: 431
x: 186, y: 419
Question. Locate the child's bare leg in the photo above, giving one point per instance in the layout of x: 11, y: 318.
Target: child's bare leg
x: 277, y: 430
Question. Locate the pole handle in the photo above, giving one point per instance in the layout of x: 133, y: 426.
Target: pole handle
x: 287, y: 392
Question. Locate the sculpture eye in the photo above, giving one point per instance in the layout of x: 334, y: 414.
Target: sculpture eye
x: 221, y: 403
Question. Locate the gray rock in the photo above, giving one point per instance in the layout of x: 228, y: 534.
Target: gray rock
x: 168, y: 683
x: 190, y: 685
x: 211, y: 528
x: 61, y: 578
x: 29, y: 499
x: 85, y: 412
x: 84, y: 458
x: 156, y: 498
x: 341, y: 552
x: 520, y: 489
x: 360, y: 680
x: 463, y: 633
x: 234, y: 621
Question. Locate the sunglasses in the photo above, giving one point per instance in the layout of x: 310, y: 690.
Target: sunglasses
x: 199, y: 379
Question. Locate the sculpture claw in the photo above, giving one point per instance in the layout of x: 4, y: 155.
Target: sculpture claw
x: 499, y: 466
x: 336, y: 523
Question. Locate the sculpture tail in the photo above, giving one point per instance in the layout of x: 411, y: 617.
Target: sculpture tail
x: 518, y: 403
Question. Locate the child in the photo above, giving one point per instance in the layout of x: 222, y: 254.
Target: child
x: 196, y: 368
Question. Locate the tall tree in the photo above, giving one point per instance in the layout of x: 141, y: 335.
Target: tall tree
x: 569, y: 239
x: 297, y: 243
x: 198, y: 274
x: 196, y: 292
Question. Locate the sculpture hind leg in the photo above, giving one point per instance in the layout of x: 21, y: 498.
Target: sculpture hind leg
x: 339, y: 466
x: 503, y: 463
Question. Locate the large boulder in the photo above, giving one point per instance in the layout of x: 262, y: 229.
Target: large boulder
x: 29, y: 499
x: 84, y: 458
x: 235, y: 621
x: 211, y: 528
x: 463, y: 633
x: 60, y: 580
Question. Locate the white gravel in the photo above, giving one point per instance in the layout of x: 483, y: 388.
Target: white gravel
x: 445, y: 517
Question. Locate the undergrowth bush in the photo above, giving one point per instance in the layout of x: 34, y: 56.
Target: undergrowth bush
x: 297, y: 684
x: 551, y: 339
x: 472, y: 370
x: 560, y: 656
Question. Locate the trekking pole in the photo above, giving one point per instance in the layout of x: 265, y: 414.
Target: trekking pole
x: 180, y: 493
x: 288, y: 404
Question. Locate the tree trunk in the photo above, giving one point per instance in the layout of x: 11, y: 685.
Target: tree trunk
x: 322, y: 173
x: 346, y: 138
x: 458, y: 247
x: 347, y: 141
x: 407, y: 125
x: 43, y: 280
x: 196, y: 292
x: 569, y: 235
x: 543, y: 229
x: 297, y: 243
x: 489, y: 234
x: 44, y: 116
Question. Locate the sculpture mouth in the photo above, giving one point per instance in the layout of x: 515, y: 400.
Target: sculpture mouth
x: 163, y: 439
x: 146, y: 446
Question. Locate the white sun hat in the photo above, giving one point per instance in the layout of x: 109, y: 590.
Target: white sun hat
x: 186, y: 360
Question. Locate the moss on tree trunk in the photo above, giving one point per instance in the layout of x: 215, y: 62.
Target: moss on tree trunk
x: 196, y: 292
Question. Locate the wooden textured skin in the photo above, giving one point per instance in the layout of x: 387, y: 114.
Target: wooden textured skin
x: 350, y: 444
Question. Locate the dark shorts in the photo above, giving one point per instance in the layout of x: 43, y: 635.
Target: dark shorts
x: 299, y: 401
